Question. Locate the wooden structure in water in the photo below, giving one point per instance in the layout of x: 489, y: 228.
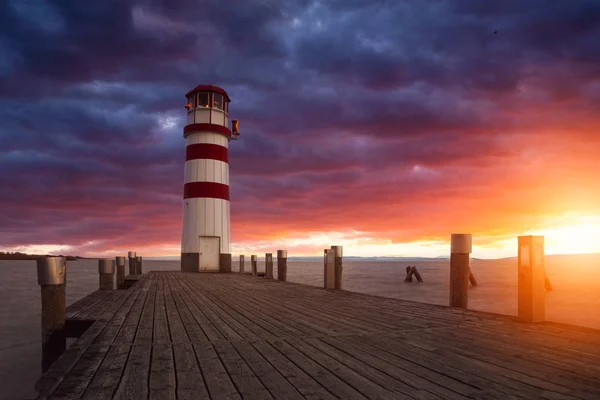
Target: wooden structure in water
x: 177, y: 335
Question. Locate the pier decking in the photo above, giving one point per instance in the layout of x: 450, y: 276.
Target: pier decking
x: 176, y: 335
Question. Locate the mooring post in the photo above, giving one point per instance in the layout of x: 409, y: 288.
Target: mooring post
x: 338, y: 268
x: 269, y: 265
x: 416, y: 273
x: 254, y: 262
x: 328, y: 273
x: 532, y: 279
x: 460, y: 251
x: 106, y: 270
x: 120, y: 262
x: 51, y: 273
x: 282, y: 265
x: 132, y: 268
x: 138, y: 265
x: 241, y: 264
x: 472, y: 278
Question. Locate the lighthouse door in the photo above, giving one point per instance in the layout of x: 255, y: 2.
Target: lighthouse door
x: 209, y: 253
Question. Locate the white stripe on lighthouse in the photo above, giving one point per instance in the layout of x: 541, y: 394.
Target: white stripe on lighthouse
x: 207, y: 137
x: 206, y: 171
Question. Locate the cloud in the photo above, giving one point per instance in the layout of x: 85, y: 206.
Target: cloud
x: 401, y: 120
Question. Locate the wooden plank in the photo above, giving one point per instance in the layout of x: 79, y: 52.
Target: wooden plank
x: 217, y: 379
x: 162, y: 373
x: 307, y: 386
x: 272, y: 380
x: 190, y: 382
x: 145, y: 329
x: 247, y: 384
x: 134, y: 382
x: 353, y: 378
x: 328, y: 380
x: 176, y: 328
x: 78, y: 379
x: 193, y: 330
x: 161, y: 333
x: 372, y: 374
x: 107, y: 378
x: 127, y: 332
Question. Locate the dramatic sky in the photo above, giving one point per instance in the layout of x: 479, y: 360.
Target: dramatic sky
x: 383, y: 126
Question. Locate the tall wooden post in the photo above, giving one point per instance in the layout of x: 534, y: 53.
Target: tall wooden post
x: 338, y: 267
x: 132, y: 269
x: 269, y: 265
x: 138, y: 265
x: 106, y: 270
x: 329, y: 274
x: 51, y: 273
x: 254, y: 264
x: 120, y: 262
x: 282, y: 265
x: 532, y: 275
x: 460, y: 250
x: 241, y: 264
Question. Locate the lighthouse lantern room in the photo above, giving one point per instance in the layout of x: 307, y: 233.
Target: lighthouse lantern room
x: 205, y: 241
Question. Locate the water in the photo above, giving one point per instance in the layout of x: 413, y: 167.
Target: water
x: 575, y: 299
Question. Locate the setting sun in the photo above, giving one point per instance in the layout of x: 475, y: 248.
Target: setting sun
x: 580, y: 236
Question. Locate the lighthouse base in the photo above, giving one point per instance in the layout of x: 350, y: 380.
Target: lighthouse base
x: 190, y: 262
x: 225, y: 262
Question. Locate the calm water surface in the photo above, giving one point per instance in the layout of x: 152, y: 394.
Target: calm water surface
x: 575, y: 299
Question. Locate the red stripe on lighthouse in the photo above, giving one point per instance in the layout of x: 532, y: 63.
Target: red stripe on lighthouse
x: 206, y: 151
x: 211, y: 190
x: 194, y: 128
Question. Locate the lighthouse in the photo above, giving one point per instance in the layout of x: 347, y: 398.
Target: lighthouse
x: 205, y: 239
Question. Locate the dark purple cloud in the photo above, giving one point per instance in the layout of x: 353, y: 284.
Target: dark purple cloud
x: 360, y: 110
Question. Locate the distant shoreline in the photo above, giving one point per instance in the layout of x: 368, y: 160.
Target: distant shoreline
x: 31, y: 257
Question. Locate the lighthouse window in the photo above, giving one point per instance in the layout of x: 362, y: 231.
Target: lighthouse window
x: 218, y: 101
x: 203, y: 99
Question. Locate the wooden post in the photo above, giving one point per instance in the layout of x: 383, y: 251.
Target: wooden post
x: 338, y: 267
x: 120, y: 262
x: 328, y: 274
x: 416, y: 273
x: 254, y: 263
x: 282, y: 265
x: 241, y: 264
x: 132, y: 268
x: 51, y: 273
x: 106, y: 270
x: 460, y: 250
x: 532, y: 279
x: 409, y: 274
x: 472, y: 278
x: 269, y: 265
x: 138, y: 265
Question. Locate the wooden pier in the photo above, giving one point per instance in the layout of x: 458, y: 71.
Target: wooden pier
x: 176, y: 335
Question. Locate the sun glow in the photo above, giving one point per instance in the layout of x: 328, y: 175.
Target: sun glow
x: 582, y: 236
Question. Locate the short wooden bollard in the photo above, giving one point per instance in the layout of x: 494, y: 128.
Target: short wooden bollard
x: 532, y: 279
x: 269, y: 265
x: 282, y: 265
x: 328, y: 273
x: 51, y: 273
x: 138, y: 265
x: 241, y: 264
x: 106, y: 270
x: 132, y: 268
x: 338, y: 267
x: 254, y: 263
x: 120, y: 262
x: 416, y: 273
x: 460, y: 252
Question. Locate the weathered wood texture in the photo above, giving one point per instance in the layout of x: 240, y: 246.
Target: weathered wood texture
x: 177, y: 335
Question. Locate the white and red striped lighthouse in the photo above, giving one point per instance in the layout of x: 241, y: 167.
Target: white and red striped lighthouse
x: 205, y: 239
